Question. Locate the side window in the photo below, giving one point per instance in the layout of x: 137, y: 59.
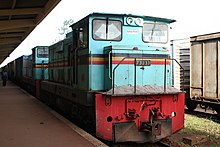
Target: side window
x: 107, y: 30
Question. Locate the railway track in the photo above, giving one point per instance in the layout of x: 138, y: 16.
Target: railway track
x: 157, y: 144
x: 163, y: 144
x: 209, y: 114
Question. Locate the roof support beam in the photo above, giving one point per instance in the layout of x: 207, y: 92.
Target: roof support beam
x: 13, y: 6
x: 2, y: 55
x: 47, y: 9
x: 11, y: 45
x: 14, y: 30
x: 6, y: 48
x: 2, y: 49
x: 6, y: 51
x: 11, y: 35
x: 12, y: 24
x: 9, y: 41
x: 24, y: 11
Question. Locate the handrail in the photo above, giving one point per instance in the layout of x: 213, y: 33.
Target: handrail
x: 165, y: 74
x: 135, y: 75
x: 42, y: 70
x: 113, y: 78
x: 75, y: 72
x: 90, y: 69
x: 109, y: 55
x: 183, y: 71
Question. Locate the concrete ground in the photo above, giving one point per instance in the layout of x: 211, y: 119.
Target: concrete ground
x: 26, y: 122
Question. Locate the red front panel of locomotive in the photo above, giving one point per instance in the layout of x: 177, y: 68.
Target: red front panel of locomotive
x: 138, y: 118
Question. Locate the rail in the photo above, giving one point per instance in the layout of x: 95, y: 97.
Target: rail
x: 135, y: 74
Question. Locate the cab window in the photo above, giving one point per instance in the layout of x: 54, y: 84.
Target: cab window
x: 155, y: 32
x: 107, y: 30
x: 42, y: 52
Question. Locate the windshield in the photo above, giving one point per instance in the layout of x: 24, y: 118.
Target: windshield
x: 42, y: 52
x: 107, y: 29
x: 155, y: 32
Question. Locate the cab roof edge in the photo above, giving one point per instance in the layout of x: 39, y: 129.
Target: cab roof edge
x: 132, y: 15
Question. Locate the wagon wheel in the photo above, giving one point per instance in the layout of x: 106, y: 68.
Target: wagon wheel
x: 191, y: 106
x: 218, y: 111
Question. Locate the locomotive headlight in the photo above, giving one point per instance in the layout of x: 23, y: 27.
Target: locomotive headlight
x: 139, y: 21
x: 129, y: 20
x: 173, y: 114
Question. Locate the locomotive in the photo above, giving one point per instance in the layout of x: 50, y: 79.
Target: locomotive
x: 29, y: 70
x: 113, y: 73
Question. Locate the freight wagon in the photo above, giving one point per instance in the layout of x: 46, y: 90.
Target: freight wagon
x: 205, y: 71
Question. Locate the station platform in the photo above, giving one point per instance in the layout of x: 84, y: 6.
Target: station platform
x: 27, y: 122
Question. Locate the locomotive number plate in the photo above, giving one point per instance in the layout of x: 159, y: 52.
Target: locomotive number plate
x: 143, y: 63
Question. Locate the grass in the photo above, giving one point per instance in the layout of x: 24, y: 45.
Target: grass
x: 202, y: 126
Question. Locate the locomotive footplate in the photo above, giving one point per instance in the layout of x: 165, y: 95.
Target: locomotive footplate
x: 149, y: 132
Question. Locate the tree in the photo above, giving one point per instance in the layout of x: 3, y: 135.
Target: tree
x: 64, y: 29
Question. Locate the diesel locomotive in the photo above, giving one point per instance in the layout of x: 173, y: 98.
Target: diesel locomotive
x: 29, y: 70
x: 113, y: 73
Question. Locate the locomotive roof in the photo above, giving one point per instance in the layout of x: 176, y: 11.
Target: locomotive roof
x: 166, y: 20
x: 39, y: 46
x: 132, y: 15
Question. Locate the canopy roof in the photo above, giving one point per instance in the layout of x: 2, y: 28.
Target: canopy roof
x: 18, y: 18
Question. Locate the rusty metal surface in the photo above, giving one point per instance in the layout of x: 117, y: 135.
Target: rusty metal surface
x: 196, y: 69
x: 128, y: 131
x: 26, y: 122
x: 209, y: 69
x: 142, y: 90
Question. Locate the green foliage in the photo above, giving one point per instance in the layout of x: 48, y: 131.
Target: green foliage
x: 65, y: 28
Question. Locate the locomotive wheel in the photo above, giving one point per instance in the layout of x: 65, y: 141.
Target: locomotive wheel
x: 191, y: 106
